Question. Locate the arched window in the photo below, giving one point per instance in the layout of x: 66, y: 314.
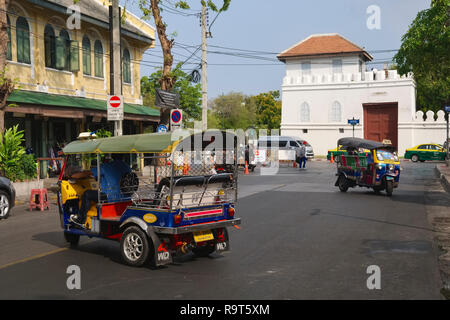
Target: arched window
x: 86, y: 55
x: 126, y: 66
x: 335, y: 112
x: 98, y: 59
x: 9, y: 52
x: 304, y: 112
x: 50, y: 47
x: 23, y: 40
x: 63, y: 50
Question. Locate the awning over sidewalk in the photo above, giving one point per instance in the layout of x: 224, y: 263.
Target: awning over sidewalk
x: 54, y: 105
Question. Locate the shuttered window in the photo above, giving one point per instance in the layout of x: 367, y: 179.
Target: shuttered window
x: 63, y: 51
x: 86, y: 56
x: 98, y: 59
x: 335, y: 112
x: 23, y: 40
x: 304, y: 112
x: 9, y: 52
x: 126, y: 66
x: 50, y: 47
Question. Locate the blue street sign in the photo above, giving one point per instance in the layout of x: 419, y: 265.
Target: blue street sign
x: 161, y: 128
x: 353, y: 121
x: 447, y: 108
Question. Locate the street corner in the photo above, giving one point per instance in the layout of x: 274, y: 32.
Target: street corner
x: 442, y: 171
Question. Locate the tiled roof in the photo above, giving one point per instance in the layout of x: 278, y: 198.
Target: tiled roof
x: 322, y: 44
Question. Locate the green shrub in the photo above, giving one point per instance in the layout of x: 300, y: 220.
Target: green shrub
x: 14, y: 163
x: 11, y: 152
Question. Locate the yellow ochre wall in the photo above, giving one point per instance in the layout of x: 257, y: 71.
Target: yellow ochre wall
x: 30, y: 76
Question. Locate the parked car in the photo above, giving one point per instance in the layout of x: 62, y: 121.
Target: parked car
x: 426, y: 151
x: 7, y: 197
x: 341, y: 151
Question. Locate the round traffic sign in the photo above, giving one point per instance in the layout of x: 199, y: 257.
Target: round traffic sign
x: 161, y: 128
x: 114, y: 101
x: 176, y: 116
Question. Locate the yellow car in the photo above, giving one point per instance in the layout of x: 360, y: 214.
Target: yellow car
x: 426, y: 151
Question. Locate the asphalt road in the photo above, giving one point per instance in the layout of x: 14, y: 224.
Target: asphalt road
x: 300, y: 238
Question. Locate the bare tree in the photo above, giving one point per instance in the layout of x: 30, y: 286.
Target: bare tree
x: 152, y: 8
x: 6, y: 84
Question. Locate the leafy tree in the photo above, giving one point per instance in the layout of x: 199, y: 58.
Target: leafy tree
x: 233, y: 111
x: 190, y: 93
x: 425, y: 52
x: 268, y: 108
x: 153, y: 9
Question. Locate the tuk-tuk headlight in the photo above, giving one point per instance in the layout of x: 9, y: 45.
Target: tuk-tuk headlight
x: 391, y: 167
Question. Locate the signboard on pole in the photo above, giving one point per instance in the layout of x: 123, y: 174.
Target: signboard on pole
x: 447, y: 108
x: 353, y: 121
x: 115, y: 108
x: 176, y: 117
x: 165, y: 99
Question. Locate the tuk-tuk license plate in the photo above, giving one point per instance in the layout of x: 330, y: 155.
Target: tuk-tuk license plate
x: 389, y: 178
x: 204, y: 235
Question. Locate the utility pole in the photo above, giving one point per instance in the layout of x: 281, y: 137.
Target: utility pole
x: 115, y: 58
x: 204, y: 79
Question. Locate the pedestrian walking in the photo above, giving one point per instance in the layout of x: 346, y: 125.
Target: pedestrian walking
x: 302, y: 155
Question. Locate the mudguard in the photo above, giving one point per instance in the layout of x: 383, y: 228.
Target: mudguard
x: 161, y: 254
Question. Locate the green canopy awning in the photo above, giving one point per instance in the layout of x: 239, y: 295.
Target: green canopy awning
x: 138, y: 143
x: 65, y: 101
x: 152, y: 142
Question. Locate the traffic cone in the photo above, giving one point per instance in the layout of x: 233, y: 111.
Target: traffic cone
x: 331, y: 158
x: 294, y: 165
x: 246, y: 168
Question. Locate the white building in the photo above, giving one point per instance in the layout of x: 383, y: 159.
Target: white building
x: 326, y: 83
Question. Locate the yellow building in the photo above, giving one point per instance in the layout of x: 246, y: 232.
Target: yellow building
x: 62, y: 65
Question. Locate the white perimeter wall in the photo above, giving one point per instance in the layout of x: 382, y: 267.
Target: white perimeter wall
x: 320, y: 92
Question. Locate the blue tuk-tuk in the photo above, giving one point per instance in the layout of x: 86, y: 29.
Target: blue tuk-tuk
x: 158, y: 194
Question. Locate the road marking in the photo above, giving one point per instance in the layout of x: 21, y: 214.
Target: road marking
x: 41, y: 255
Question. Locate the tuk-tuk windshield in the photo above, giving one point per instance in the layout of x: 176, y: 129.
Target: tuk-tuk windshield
x: 386, y: 155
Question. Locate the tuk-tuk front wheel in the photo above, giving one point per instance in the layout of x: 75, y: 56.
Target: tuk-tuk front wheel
x: 134, y: 246
x: 343, y: 184
x: 389, y: 188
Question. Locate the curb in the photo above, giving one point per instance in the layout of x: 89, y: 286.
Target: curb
x: 443, y: 178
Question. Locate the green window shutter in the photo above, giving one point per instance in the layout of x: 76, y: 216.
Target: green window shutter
x: 74, y: 56
x: 86, y: 56
x: 9, y: 52
x: 23, y: 40
x: 98, y: 59
x: 60, y: 48
x: 126, y: 66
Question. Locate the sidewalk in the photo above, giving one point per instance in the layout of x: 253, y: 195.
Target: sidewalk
x: 443, y: 173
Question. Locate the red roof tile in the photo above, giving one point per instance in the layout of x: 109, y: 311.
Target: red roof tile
x: 327, y: 44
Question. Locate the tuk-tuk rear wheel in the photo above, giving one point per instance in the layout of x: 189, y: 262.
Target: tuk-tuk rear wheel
x: 343, y: 184
x: 71, y: 238
x: 134, y: 246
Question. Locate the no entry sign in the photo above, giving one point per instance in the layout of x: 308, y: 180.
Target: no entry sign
x: 115, y: 108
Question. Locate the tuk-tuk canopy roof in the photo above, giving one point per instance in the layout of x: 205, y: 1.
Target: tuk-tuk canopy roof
x: 356, y: 143
x: 139, y: 143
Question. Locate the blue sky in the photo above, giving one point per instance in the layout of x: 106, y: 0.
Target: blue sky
x: 273, y: 26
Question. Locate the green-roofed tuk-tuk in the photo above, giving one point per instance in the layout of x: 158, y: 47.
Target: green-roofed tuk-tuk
x: 177, y: 203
